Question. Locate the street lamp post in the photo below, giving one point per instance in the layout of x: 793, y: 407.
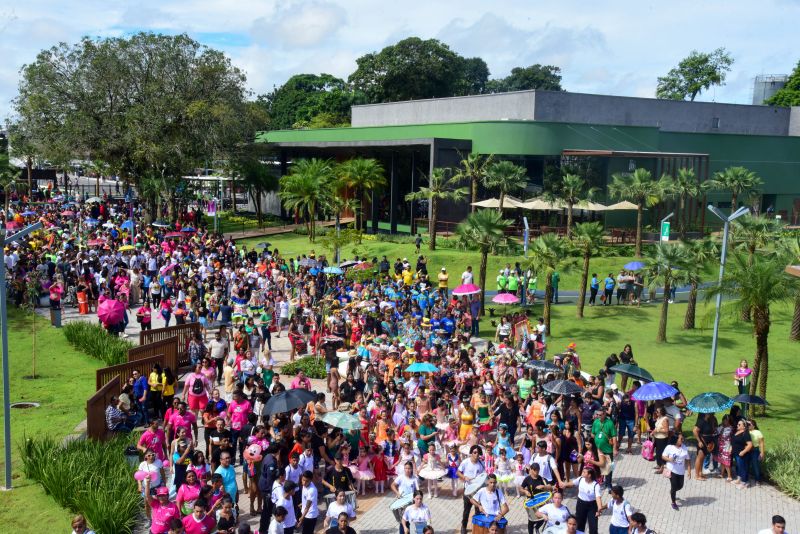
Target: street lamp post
x: 726, y: 221
x: 4, y: 318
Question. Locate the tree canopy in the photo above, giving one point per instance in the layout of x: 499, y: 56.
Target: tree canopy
x: 543, y: 77
x: 695, y: 74
x: 310, y: 101
x: 790, y: 94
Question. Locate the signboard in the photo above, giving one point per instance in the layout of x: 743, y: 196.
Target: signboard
x: 522, y: 334
x: 664, y: 231
x: 212, y: 208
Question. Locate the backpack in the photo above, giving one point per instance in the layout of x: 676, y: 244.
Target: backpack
x: 197, y: 386
x: 649, y: 450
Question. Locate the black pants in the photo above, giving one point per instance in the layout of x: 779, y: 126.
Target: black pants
x: 308, y: 525
x: 288, y: 530
x: 675, y: 485
x: 609, y: 294
x: 155, y: 403
x: 535, y: 526
x: 467, y: 510
x: 266, y: 513
x: 220, y: 363
x: 660, y: 445
x: 585, y: 512
x: 593, y: 294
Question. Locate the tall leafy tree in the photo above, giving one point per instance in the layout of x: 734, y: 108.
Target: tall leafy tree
x: 737, y: 180
x: 547, y: 254
x: 413, y: 69
x: 757, y: 286
x: 442, y: 186
x: 752, y: 233
x: 699, y: 253
x: 694, y: 74
x: 587, y: 239
x: 473, y: 169
x: 306, y: 97
x: 665, y: 265
x: 543, y: 77
x: 640, y: 188
x: 507, y: 178
x: 307, y: 186
x: 361, y: 175
x: 484, y: 230
x: 789, y: 95
x: 572, y: 189
x: 790, y: 247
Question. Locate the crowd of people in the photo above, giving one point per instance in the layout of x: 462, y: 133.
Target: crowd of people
x: 440, y: 413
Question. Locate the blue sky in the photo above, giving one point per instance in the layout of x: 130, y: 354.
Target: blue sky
x: 611, y: 47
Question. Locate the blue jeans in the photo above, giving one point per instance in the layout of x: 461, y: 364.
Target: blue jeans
x: 617, y: 530
x: 743, y: 468
x: 755, y: 463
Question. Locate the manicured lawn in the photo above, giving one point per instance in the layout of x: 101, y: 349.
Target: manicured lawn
x: 686, y: 356
x: 66, y: 380
x: 240, y: 222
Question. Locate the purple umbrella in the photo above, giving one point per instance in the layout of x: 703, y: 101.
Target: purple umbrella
x: 654, y: 391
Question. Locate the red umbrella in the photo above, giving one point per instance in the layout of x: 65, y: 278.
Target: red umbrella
x: 95, y: 242
x: 67, y: 213
x: 110, y: 312
x: 173, y: 234
x: 363, y: 265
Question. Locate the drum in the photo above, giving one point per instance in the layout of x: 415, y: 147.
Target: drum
x: 350, y: 498
x: 474, y: 485
x: 555, y: 529
x: 399, y: 506
x: 481, y: 522
x: 536, y: 502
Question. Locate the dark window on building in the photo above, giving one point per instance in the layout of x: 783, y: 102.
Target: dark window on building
x: 715, y: 123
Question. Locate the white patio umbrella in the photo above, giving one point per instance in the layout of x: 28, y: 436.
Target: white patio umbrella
x: 508, y: 202
x: 537, y: 204
x: 624, y: 205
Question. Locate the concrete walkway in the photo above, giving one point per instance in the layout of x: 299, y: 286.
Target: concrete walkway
x: 284, y: 229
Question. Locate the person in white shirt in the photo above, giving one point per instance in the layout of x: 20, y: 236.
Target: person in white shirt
x: 778, y: 526
x: 467, y: 277
x: 308, y: 504
x: 467, y: 471
x: 490, y: 500
x: 285, y: 500
x: 555, y: 512
x: 406, y: 483
x: 677, y: 457
x: 621, y: 511
x: 339, y: 506
x: 417, y: 516
x: 589, y: 503
x: 276, y: 525
x: 548, y: 469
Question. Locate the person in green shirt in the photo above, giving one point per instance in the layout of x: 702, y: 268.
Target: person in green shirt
x: 555, y: 279
x: 604, y: 433
x: 513, y: 283
x: 533, y: 281
x: 502, y: 282
x: 525, y: 384
x: 427, y: 433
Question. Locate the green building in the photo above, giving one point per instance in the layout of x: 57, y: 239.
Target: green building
x: 545, y: 130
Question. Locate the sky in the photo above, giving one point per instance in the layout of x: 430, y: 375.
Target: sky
x: 602, y: 46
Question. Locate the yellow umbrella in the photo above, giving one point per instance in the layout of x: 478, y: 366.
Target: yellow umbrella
x: 125, y: 248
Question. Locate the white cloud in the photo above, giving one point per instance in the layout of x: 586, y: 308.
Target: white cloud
x: 300, y: 25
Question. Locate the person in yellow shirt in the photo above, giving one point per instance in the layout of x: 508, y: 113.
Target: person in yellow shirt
x: 443, y: 279
x: 408, y: 276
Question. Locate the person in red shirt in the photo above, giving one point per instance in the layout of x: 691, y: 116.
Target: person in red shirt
x: 182, y: 418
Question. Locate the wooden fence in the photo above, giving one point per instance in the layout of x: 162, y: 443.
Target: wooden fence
x: 124, y: 370
x: 184, y: 332
x: 96, y: 408
x: 167, y: 347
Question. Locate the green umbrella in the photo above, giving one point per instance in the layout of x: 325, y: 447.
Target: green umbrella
x: 633, y: 370
x: 342, y: 420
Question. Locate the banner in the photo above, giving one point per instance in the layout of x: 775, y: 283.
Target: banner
x: 522, y: 334
x: 211, y: 206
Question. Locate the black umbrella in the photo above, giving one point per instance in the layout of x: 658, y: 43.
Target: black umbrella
x: 263, y: 244
x: 544, y: 366
x: 633, y: 370
x: 288, y: 400
x: 563, y: 387
x: 303, y: 394
x: 349, y: 263
x: 750, y: 399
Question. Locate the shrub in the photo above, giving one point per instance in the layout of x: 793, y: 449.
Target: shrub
x: 88, y: 477
x: 312, y: 366
x: 782, y: 463
x: 96, y: 342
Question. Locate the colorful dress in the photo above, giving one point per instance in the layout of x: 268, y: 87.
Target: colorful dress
x: 467, y: 422
x: 453, y: 461
x: 724, y: 448
x: 503, y: 471
x: 379, y: 467
x: 364, y: 470
x: 432, y: 470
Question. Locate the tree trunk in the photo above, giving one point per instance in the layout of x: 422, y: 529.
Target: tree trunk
x: 432, y: 224
x: 97, y: 186
x: 474, y: 191
x: 794, y: 333
x: 582, y: 287
x: 689, y: 319
x: 761, y: 324
x: 482, y: 278
x: 312, y: 233
x: 233, y: 198
x: 569, y: 222
x: 33, y: 345
x: 548, y: 294
x: 733, y: 201
x: 662, y: 322
x: 681, y: 218
x: 746, y: 311
x: 29, y: 165
x: 639, y: 214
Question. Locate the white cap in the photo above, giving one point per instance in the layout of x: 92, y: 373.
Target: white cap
x: 444, y: 269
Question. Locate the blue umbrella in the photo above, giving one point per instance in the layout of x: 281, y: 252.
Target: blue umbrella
x: 634, y: 266
x: 91, y: 221
x: 127, y: 225
x: 313, y: 271
x: 188, y: 229
x: 421, y: 367
x: 28, y: 213
x: 710, y: 402
x: 332, y: 270
x: 654, y: 391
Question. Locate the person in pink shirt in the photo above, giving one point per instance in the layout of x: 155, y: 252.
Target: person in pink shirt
x: 162, y: 510
x: 154, y: 438
x: 197, y: 390
x: 188, y: 493
x: 199, y: 522
x: 301, y: 381
x: 183, y: 419
x: 238, y: 412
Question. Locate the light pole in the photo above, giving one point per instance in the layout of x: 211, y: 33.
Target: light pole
x: 726, y: 221
x: 4, y: 319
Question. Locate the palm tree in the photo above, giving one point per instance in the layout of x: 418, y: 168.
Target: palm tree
x: 587, y: 238
x: 737, y: 180
x: 639, y: 188
x: 753, y: 233
x: 756, y: 286
x: 790, y: 247
x: 441, y: 186
x: 506, y: 177
x: 665, y: 264
x: 361, y: 175
x: 699, y: 253
x: 473, y: 168
x: 307, y: 186
x: 685, y: 186
x: 9, y: 182
x: 572, y: 190
x: 548, y: 254
x: 484, y: 229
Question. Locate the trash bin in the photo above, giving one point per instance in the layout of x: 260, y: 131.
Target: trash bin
x: 55, y: 317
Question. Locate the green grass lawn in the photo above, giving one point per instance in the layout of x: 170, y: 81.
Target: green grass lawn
x: 66, y: 380
x: 230, y: 222
x: 686, y: 355
x: 456, y: 260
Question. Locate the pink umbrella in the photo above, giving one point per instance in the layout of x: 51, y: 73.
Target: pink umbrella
x: 95, y: 242
x: 168, y: 268
x: 110, y: 312
x: 173, y: 234
x: 505, y: 298
x: 67, y: 213
x: 466, y: 289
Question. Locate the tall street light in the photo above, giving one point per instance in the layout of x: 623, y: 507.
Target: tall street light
x: 726, y: 221
x: 4, y: 318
